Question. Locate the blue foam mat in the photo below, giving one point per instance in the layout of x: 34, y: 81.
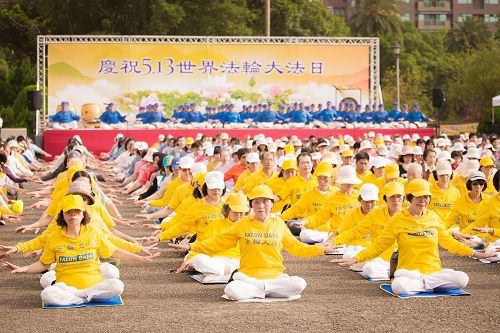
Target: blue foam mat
x: 454, y: 292
x: 111, y: 302
x: 199, y: 278
x: 370, y: 279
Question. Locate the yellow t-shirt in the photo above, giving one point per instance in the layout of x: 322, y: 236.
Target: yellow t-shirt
x: 490, y: 188
x: 349, y: 222
x: 487, y: 217
x: 334, y: 209
x: 417, y: 239
x: 464, y: 212
x: 295, y: 187
x: 372, y: 225
x: 308, y: 204
x: 276, y: 184
x: 260, y: 245
x: 442, y: 201
x: 167, y: 196
x: 77, y: 258
x: 257, y: 178
x: 218, y: 228
x: 459, y: 182
x: 238, y: 186
x: 198, y: 220
x: 182, y: 192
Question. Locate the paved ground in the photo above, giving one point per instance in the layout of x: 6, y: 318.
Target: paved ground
x: 334, y: 300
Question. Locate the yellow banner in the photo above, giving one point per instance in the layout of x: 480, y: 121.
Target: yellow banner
x: 453, y: 129
x: 133, y: 75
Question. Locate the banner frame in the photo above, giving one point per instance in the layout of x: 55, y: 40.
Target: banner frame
x: 44, y: 40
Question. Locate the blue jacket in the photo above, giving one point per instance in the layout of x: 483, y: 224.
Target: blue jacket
x: 64, y: 117
x: 326, y: 115
x: 194, y: 117
x: 230, y: 117
x: 114, y: 117
x: 379, y: 117
x: 268, y: 116
x: 298, y: 116
x: 414, y: 116
x: 153, y: 117
x: 395, y: 115
x: 350, y: 117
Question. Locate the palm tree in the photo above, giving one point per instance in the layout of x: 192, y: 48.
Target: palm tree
x: 467, y: 35
x: 375, y: 18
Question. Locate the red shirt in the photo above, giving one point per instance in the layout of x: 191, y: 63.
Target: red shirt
x: 234, y: 173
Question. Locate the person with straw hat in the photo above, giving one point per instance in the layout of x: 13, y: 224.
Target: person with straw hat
x: 261, y: 239
x: 418, y: 233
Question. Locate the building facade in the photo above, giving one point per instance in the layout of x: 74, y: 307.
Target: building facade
x: 431, y: 15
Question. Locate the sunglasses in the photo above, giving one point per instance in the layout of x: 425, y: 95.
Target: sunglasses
x: 477, y: 182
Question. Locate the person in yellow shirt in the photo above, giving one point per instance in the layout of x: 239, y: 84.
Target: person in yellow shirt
x: 368, y: 199
x: 203, y: 214
x: 186, y: 163
x: 361, y: 162
x: 312, y: 200
x: 253, y: 166
x: 377, y: 170
x: 487, y: 224
x: 487, y: 166
x: 315, y: 228
x: 418, y: 233
x: 76, y: 249
x: 222, y: 263
x: 373, y: 225
x: 264, y: 176
x: 466, y: 208
x: 288, y: 170
x: 443, y: 193
x: 296, y: 186
x: 347, y: 157
x: 261, y: 239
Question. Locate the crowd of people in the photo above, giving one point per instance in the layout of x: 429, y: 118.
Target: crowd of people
x: 265, y: 115
x: 230, y: 206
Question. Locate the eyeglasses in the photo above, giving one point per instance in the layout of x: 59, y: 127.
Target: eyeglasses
x: 477, y: 182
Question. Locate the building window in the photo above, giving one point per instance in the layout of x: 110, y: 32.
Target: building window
x: 491, y: 2
x: 464, y: 2
x: 490, y: 18
x: 434, y: 4
x: 339, y: 11
x: 404, y: 17
x: 432, y: 19
x: 461, y: 18
x: 330, y: 9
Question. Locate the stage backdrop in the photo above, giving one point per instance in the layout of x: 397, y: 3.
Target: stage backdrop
x: 137, y: 74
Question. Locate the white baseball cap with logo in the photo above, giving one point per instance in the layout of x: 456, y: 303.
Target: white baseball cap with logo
x: 253, y: 158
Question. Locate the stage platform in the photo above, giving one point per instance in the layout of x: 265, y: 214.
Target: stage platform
x: 98, y: 140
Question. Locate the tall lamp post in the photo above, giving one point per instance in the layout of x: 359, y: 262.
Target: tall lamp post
x: 397, y: 52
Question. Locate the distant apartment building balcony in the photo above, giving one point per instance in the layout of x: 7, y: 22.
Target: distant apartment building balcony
x: 432, y: 24
x: 434, y: 6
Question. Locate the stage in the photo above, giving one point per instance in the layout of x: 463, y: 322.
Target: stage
x: 97, y: 140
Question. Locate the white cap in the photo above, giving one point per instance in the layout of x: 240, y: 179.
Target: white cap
x: 271, y: 147
x: 347, y: 175
x: 387, y: 138
x: 382, y: 150
x: 444, y: 155
x: 343, y: 147
x: 253, y: 158
x: 224, y: 136
x: 269, y: 140
x: 297, y: 143
x: 415, y: 137
x: 441, y: 142
x: 470, y: 145
x: 369, y: 192
x: 209, y: 151
x: 426, y: 137
x: 136, y: 145
x: 198, y: 168
x: 186, y: 162
x: 207, y: 144
x: 144, y: 145
x: 472, y: 153
x: 379, y: 162
x: 334, y: 143
x: 261, y: 142
x: 316, y: 156
x: 458, y: 146
x: 443, y: 167
x: 161, y: 137
x: 417, y: 150
x: 365, y: 144
x: 406, y: 137
x: 12, y: 144
x: 149, y: 155
x: 476, y: 175
x: 118, y: 136
x: 215, y: 179
x: 281, y: 145
x: 371, y: 134
x: 236, y: 148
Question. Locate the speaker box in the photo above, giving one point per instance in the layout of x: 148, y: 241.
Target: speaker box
x: 438, y: 98
x: 35, y: 100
